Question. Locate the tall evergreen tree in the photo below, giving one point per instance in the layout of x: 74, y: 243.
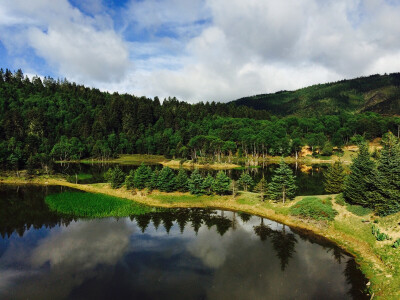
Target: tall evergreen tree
x: 142, y: 176
x: 207, y: 184
x: 334, y: 178
x: 166, y: 180
x: 360, y: 183
x: 181, y: 181
x: 261, y: 188
x: 152, y: 184
x: 245, y: 181
x: 195, y: 183
x: 117, y: 178
x: 221, y: 183
x: 283, y: 183
x: 129, y: 180
x: 388, y: 168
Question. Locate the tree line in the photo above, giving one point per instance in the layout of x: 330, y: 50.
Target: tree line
x: 42, y: 120
x: 281, y: 187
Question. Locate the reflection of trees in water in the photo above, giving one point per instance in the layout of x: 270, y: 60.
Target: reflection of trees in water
x: 356, y: 280
x: 263, y: 231
x: 23, y: 208
x: 244, y: 217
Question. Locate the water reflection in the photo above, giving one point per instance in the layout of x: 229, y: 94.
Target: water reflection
x: 174, y: 254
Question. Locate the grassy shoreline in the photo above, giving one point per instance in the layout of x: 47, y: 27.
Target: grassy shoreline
x: 350, y: 232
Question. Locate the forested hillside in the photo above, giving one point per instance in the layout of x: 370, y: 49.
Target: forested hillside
x: 376, y: 93
x: 44, y: 120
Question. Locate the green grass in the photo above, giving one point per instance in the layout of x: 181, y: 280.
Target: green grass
x: 358, y: 210
x: 314, y: 208
x: 89, y: 205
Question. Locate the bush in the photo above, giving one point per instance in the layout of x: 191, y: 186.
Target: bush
x: 129, y: 180
x: 314, y: 208
x: 117, y: 178
x: 380, y: 236
x: 340, y: 200
x: 396, y: 244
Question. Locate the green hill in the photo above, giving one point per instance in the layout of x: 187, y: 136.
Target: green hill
x: 376, y: 93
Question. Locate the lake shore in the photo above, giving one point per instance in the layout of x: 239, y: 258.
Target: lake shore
x: 352, y: 233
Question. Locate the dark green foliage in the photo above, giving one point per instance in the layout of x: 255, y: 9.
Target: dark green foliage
x: 380, y: 236
x: 245, y: 181
x: 340, y: 200
x: 130, y: 180
x: 108, y: 174
x: 89, y: 205
x: 152, y: 184
x: 314, y: 208
x: 221, y: 184
x: 142, y: 176
x: 360, y: 183
x: 117, y: 178
x: 283, y: 184
x: 396, y: 244
x: 207, y: 184
x: 166, y: 180
x: 195, y: 183
x: 334, y: 178
x: 182, y: 181
x: 387, y: 196
x: 261, y: 187
x: 327, y: 149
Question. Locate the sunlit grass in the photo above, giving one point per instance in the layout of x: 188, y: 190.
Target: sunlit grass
x: 90, y: 205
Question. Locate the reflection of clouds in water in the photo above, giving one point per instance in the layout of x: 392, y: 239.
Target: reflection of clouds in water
x: 84, y: 245
x: 73, y: 255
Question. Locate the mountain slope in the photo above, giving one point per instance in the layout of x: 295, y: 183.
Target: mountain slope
x: 377, y: 93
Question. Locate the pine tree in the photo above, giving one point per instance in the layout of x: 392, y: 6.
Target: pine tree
x: 359, y: 184
x: 283, y: 184
x: 245, y: 181
x: 195, y: 183
x: 207, y: 184
x: 221, y: 183
x: 129, y: 180
x: 117, y: 178
x: 166, y: 180
x: 334, y: 178
x: 142, y: 176
x: 152, y: 184
x: 181, y: 181
x: 261, y: 187
x: 388, y: 169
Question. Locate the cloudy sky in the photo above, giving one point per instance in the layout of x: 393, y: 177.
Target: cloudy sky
x: 200, y: 49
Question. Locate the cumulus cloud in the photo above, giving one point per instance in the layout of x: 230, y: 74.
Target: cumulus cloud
x: 207, y: 49
x: 82, y: 48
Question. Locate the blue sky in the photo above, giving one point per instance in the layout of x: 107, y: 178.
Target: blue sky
x: 200, y: 49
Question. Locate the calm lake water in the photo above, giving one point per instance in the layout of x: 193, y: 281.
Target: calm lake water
x: 173, y: 254
x: 309, y: 178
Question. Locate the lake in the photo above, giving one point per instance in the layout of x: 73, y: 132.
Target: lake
x: 170, y: 254
x: 309, y: 179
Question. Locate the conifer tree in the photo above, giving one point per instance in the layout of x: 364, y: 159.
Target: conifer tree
x: 142, y: 176
x: 181, y: 181
x: 166, y: 180
x: 152, y: 184
x: 129, y: 180
x: 261, y: 187
x: 388, y: 168
x: 283, y: 184
x: 245, y: 181
x: 117, y: 178
x: 207, y: 184
x: 334, y: 178
x: 221, y: 184
x: 360, y: 183
x: 195, y: 183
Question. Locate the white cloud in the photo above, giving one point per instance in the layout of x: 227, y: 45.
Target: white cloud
x: 79, y: 47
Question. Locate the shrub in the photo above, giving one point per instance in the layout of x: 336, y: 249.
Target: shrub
x: 340, y: 200
x: 129, y: 180
x: 380, y: 236
x: 396, y: 244
x: 314, y: 208
x: 117, y: 178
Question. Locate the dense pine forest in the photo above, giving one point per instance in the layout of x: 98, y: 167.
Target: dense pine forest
x: 45, y: 120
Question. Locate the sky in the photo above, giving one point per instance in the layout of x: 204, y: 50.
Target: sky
x: 200, y: 50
